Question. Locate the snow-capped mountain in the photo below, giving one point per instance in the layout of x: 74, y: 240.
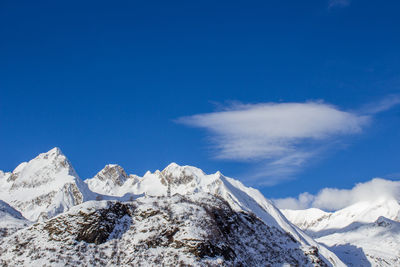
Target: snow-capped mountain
x: 375, y: 244
x: 186, y: 180
x: 44, y: 187
x: 112, y: 180
x: 11, y: 220
x: 318, y: 223
x: 365, y: 233
x: 48, y: 185
x: 193, y: 230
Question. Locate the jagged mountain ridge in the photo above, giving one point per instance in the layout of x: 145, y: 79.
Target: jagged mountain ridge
x: 317, y: 222
x: 47, y: 186
x: 186, y: 180
x: 116, y: 184
x: 194, y: 230
x: 366, y: 233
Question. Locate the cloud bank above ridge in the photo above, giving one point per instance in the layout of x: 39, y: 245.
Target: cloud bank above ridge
x: 335, y: 199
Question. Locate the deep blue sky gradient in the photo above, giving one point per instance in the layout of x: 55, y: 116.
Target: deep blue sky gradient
x: 105, y: 80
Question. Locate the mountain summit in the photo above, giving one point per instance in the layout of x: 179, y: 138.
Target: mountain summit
x: 179, y: 214
x: 44, y: 187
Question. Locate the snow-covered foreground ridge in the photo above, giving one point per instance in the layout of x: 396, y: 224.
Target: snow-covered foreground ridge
x: 366, y: 233
x: 48, y: 186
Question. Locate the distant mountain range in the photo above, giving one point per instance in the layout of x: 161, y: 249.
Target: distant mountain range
x: 366, y: 233
x: 176, y: 217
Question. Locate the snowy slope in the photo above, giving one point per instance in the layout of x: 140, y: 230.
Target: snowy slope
x: 318, y: 223
x: 186, y: 180
x: 363, y: 234
x: 10, y: 220
x: 43, y: 187
x: 194, y: 230
x: 375, y: 243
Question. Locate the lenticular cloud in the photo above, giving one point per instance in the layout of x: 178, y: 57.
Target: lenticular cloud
x: 281, y: 135
x: 270, y: 129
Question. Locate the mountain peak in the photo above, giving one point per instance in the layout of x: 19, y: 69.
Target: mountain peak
x: 52, y: 183
x: 114, y: 173
x: 53, y: 190
x: 110, y: 180
x: 181, y: 174
x: 172, y: 165
x: 44, y: 168
x: 52, y: 153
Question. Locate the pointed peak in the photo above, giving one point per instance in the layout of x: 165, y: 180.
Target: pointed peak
x: 112, y: 166
x: 52, y: 153
x: 55, y: 150
x: 219, y: 174
x: 113, y: 172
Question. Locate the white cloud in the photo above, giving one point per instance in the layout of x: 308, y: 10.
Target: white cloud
x: 270, y: 130
x: 281, y: 137
x: 335, y: 199
x: 303, y: 201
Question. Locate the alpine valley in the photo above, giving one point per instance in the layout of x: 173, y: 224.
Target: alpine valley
x: 179, y: 216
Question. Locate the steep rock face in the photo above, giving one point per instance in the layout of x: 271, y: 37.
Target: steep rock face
x: 110, y: 181
x: 364, y: 234
x: 43, y: 187
x: 11, y: 220
x: 187, y: 180
x: 195, y: 230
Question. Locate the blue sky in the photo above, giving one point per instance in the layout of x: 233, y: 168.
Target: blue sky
x: 126, y: 82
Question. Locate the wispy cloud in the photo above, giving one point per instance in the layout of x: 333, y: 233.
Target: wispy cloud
x: 385, y: 104
x: 335, y: 199
x: 281, y: 137
x: 338, y: 3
